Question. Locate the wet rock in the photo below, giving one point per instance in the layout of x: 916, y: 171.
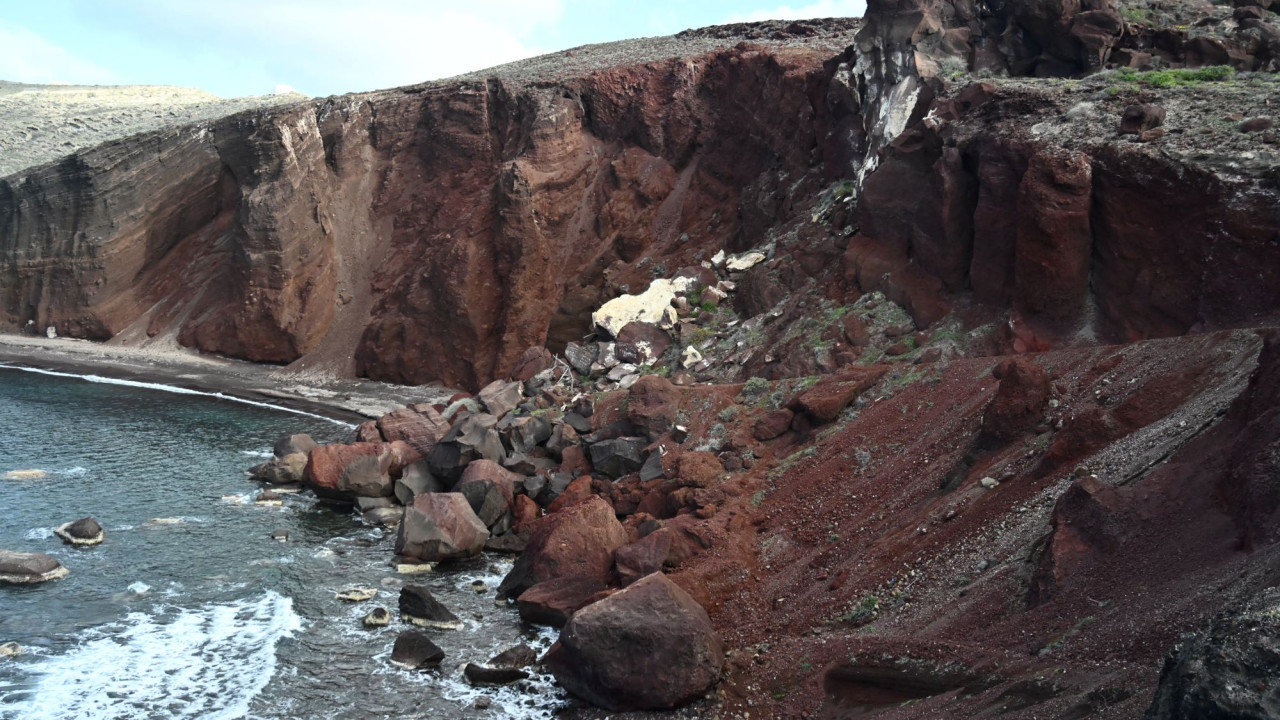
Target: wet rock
x: 10, y: 649
x: 439, y: 527
x: 552, y: 602
x: 356, y: 594
x: 30, y: 568
x: 501, y: 397
x: 418, y: 606
x: 383, y: 516
x: 1140, y: 118
x: 414, y: 650
x: 85, y: 531
x: 377, y: 617
x: 619, y: 456
x: 652, y: 404
x: 643, y: 557
x: 294, y: 444
x: 269, y: 498
x: 578, y: 541
x: 518, y: 656
x: 1230, y: 670
x: 490, y: 489
x: 1020, y: 399
x: 287, y: 470
x: 346, y: 471
x: 280, y: 535
x: 487, y: 675
x: 421, y: 430
x: 648, y: 647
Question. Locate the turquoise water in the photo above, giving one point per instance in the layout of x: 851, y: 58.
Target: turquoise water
x: 190, y: 609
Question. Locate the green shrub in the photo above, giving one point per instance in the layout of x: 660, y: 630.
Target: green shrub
x: 1179, y: 76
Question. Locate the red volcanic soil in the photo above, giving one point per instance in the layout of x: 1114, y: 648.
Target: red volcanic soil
x: 876, y: 569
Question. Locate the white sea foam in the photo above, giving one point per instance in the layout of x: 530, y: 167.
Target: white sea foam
x: 139, y: 588
x: 268, y: 453
x: 39, y: 534
x: 207, y: 663
x: 175, y: 389
x: 76, y: 471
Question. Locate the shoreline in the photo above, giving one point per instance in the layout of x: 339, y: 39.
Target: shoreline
x: 344, y: 399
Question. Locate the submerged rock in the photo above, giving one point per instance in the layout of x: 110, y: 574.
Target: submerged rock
x: 414, y: 650
x: 29, y: 568
x: 648, y: 647
x: 11, y: 649
x: 357, y: 594
x: 377, y: 617
x: 82, y: 532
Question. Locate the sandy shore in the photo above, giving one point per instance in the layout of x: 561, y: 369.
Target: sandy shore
x: 352, y: 400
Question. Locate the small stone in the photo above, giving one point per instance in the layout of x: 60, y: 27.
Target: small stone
x: 281, y: 535
x: 483, y: 703
x: 479, y: 587
x: 989, y: 483
x: 1258, y: 124
x: 356, y: 594
x: 82, y: 532
x: 10, y: 649
x: 377, y: 617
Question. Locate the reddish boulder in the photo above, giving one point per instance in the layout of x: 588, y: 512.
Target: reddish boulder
x: 772, y: 424
x: 1019, y: 402
x: 698, y: 469
x: 642, y: 557
x: 501, y: 397
x: 831, y: 395
x: 421, y: 430
x: 367, y: 432
x: 1137, y: 119
x: 579, y: 540
x: 647, y: 647
x: 439, y: 527
x: 652, y: 404
x: 649, y: 340
x: 346, y: 471
x: 554, y: 601
x: 578, y: 491
x: 533, y: 361
x: 524, y: 513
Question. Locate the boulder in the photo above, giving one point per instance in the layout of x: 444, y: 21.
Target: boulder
x: 578, y: 491
x: 345, y: 471
x: 619, y: 456
x: 647, y: 647
x: 649, y: 340
x: 439, y: 527
x: 28, y: 568
x: 562, y: 436
x: 85, y: 531
x: 414, y: 650
x: 293, y: 444
x: 377, y: 617
x: 581, y: 356
x: 488, y: 675
x: 367, y: 432
x: 653, y: 306
x: 642, y: 557
x: 287, y: 470
x: 533, y: 361
x: 552, y: 602
x: 831, y: 395
x: 1019, y: 402
x: 577, y: 541
x: 1229, y: 670
x: 420, y: 430
x: 501, y: 397
x: 471, y: 438
x: 419, y: 607
x: 416, y: 480
x: 1140, y: 118
x: 524, y: 434
x: 490, y: 489
x: 652, y: 405
x: 772, y: 424
x: 518, y: 656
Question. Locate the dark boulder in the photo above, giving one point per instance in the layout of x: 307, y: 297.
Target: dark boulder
x: 619, y: 456
x: 439, y: 527
x: 486, y: 675
x: 1140, y: 118
x: 1229, y: 671
x: 414, y: 650
x: 85, y: 531
x: 490, y: 489
x: 28, y: 568
x: 648, y: 647
x: 643, y: 557
x: 577, y: 541
x: 554, y: 601
x: 419, y: 607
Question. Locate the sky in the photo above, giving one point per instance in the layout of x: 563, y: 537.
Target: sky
x: 324, y: 47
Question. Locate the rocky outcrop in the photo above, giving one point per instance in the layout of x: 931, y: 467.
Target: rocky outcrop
x: 648, y: 647
x: 82, y: 532
x: 29, y: 568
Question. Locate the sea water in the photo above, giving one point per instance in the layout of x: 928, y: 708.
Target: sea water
x: 190, y: 609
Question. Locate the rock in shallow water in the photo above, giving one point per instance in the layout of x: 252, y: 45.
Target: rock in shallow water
x: 85, y: 531
x: 29, y: 568
x: 377, y: 617
x: 648, y: 647
x: 419, y: 607
x: 440, y: 526
x: 414, y: 650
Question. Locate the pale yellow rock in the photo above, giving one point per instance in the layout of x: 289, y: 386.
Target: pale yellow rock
x: 745, y: 261
x: 25, y: 474
x: 652, y: 306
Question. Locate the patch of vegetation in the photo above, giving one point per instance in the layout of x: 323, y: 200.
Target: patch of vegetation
x: 1179, y: 76
x: 758, y: 498
x: 862, y: 612
x: 729, y: 414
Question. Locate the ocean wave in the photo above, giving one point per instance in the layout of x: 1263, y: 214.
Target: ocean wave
x: 206, y: 663
x: 177, y: 390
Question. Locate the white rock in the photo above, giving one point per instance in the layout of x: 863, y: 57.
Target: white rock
x: 745, y: 261
x: 718, y: 258
x: 691, y: 357
x: 989, y: 482
x: 651, y: 306
x: 51, y: 332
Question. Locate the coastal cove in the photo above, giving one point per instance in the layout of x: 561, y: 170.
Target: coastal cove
x: 190, y: 608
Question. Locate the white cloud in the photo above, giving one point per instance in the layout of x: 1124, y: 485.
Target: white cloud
x: 818, y: 9
x: 29, y: 58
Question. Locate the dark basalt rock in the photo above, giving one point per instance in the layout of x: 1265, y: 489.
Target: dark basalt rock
x: 419, y: 607
x: 414, y: 650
